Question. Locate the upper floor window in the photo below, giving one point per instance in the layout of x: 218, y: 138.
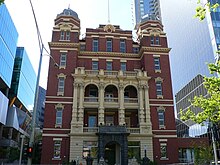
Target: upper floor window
x: 152, y: 40
x: 123, y: 66
x: 161, y: 118
x: 67, y: 35
x: 159, y: 88
x: 61, y: 83
x: 135, y: 49
x: 95, y: 65
x: 95, y: 45
x: 63, y: 60
x: 122, y: 46
x: 59, y: 114
x: 62, y: 35
x: 82, y: 47
x: 109, y: 65
x: 157, y: 63
x: 92, y: 121
x: 109, y: 45
x: 157, y: 40
x: 57, y: 149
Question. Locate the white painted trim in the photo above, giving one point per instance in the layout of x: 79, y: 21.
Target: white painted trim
x: 55, y: 134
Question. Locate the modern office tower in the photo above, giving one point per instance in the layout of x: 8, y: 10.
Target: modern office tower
x: 111, y: 97
x: 40, y: 107
x: 214, y: 27
x: 147, y: 8
x: 192, y: 89
x: 21, y: 99
x: 190, y: 41
x: 8, y: 44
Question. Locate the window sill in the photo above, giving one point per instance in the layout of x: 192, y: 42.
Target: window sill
x: 164, y: 158
x: 159, y: 96
x: 154, y: 45
x: 157, y: 70
x: 56, y: 158
x: 62, y: 67
x: 60, y: 93
x: 162, y: 127
x: 58, y: 125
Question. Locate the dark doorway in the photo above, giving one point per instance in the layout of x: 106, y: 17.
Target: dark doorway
x: 110, y: 150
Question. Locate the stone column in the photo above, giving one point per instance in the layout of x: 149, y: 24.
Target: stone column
x: 101, y: 112
x: 141, y: 105
x: 147, y: 105
x: 81, y: 100
x: 74, y: 110
x: 121, y: 105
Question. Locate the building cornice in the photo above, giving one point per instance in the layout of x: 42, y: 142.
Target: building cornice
x: 63, y: 44
x: 113, y: 54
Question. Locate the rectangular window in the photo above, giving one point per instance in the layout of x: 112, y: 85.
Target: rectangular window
x: 109, y: 45
x: 163, y: 151
x: 152, y: 40
x: 57, y: 149
x: 62, y: 35
x: 135, y: 49
x: 161, y: 118
x: 59, y: 114
x: 122, y: 46
x: 92, y: 121
x: 95, y: 45
x: 159, y: 88
x: 123, y: 66
x: 157, y: 63
x: 90, y: 146
x: 109, y: 65
x: 157, y: 41
x: 134, y: 150
x: 61, y: 84
x: 67, y: 35
x: 95, y: 65
x: 63, y: 60
x: 109, y: 120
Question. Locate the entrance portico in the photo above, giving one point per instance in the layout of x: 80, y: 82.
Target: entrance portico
x: 113, y: 144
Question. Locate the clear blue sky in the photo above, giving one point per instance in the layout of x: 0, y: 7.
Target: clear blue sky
x: 91, y: 14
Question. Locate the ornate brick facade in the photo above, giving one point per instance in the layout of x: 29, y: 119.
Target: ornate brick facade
x: 108, y: 80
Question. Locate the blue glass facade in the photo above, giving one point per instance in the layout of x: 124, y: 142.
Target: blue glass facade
x: 24, y: 79
x: 147, y: 8
x: 142, y: 7
x: 214, y: 26
x: 8, y: 44
x: 189, y: 39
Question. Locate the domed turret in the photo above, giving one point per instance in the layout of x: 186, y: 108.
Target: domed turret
x: 68, y: 12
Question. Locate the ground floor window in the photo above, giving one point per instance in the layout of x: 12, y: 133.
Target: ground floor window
x: 163, y: 151
x: 134, y: 150
x: 90, y: 146
x: 57, y: 149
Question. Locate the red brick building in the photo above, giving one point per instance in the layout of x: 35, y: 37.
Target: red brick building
x: 110, y: 96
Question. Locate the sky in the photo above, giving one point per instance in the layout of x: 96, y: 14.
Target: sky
x: 91, y: 13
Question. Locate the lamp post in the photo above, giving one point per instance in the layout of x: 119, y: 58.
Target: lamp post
x: 21, y: 151
x: 31, y: 142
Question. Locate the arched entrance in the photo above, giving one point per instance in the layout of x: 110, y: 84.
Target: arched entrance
x: 113, y: 144
x: 112, y: 153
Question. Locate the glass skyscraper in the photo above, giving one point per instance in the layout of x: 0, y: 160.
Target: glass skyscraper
x: 147, y: 8
x: 189, y: 39
x: 24, y: 79
x: 8, y: 44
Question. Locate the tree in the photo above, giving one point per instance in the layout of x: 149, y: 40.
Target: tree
x: 202, y: 8
x: 1, y: 1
